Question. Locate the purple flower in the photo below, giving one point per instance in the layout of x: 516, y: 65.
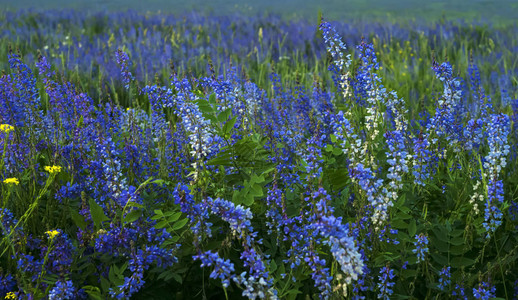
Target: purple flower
x: 62, y: 290
x: 460, y: 292
x: 444, y: 278
x: 223, y: 268
x: 421, y: 247
x: 485, y: 291
x: 495, y: 162
x: 385, y: 283
x: 124, y: 63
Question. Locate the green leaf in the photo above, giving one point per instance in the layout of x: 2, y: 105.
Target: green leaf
x: 256, y: 190
x: 457, y: 241
x: 156, y: 217
x: 97, y: 213
x: 205, y: 107
x: 115, y: 277
x: 177, y: 277
x: 293, y: 292
x: 227, y: 128
x: 80, y: 122
x: 161, y: 224
x: 412, y: 228
x: 223, y: 159
x: 408, y: 273
x: 93, y: 291
x: 134, y: 204
x: 457, y: 232
x: 440, y: 259
x: 180, y: 224
x: 458, y: 250
x: 458, y: 262
x: 337, y: 151
x: 338, y: 178
x: 398, y: 224
x: 257, y: 179
x: 237, y: 197
x: 400, y: 202
x: 248, y: 200
x: 404, y: 216
x: 403, y: 236
x: 212, y: 98
x: 78, y: 219
x: 172, y: 216
x: 441, y: 233
x: 441, y: 245
x: 132, y: 216
x: 105, y: 284
x: 273, y: 266
x: 224, y: 115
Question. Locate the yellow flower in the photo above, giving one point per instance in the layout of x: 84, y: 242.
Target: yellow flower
x: 10, y: 295
x: 53, y: 169
x: 12, y: 181
x: 52, y: 233
x: 6, y: 128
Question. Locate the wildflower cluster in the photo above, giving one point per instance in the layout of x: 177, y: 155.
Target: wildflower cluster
x: 444, y: 278
x: 52, y: 234
x: 385, y: 283
x: 12, y: 181
x: 123, y: 61
x: 53, y: 169
x: 6, y: 128
x: 484, y: 291
x: 223, y: 269
x: 494, y: 163
x: 421, y: 245
x: 276, y: 190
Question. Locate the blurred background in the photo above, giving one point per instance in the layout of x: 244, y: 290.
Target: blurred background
x: 496, y: 12
x: 261, y: 37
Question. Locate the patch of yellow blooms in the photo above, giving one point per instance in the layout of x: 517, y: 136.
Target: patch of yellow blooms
x: 52, y: 233
x: 53, y: 169
x: 10, y: 295
x: 6, y: 128
x: 12, y: 181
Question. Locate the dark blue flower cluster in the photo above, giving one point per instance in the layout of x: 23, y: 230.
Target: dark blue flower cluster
x: 485, y: 291
x: 277, y: 190
x: 495, y: 162
x: 124, y: 63
x: 444, y: 278
x: 385, y: 283
x: 421, y: 247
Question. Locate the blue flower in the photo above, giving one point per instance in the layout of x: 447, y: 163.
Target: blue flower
x: 485, y: 291
x: 223, y: 268
x: 124, y: 62
x: 421, y: 247
x: 385, y: 283
x: 62, y: 290
x: 444, y: 278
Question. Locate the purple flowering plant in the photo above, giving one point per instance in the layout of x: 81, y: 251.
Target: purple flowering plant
x: 219, y: 184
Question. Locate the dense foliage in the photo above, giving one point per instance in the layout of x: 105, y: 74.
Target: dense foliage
x: 315, y: 182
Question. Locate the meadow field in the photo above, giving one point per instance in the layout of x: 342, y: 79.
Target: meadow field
x: 232, y: 155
